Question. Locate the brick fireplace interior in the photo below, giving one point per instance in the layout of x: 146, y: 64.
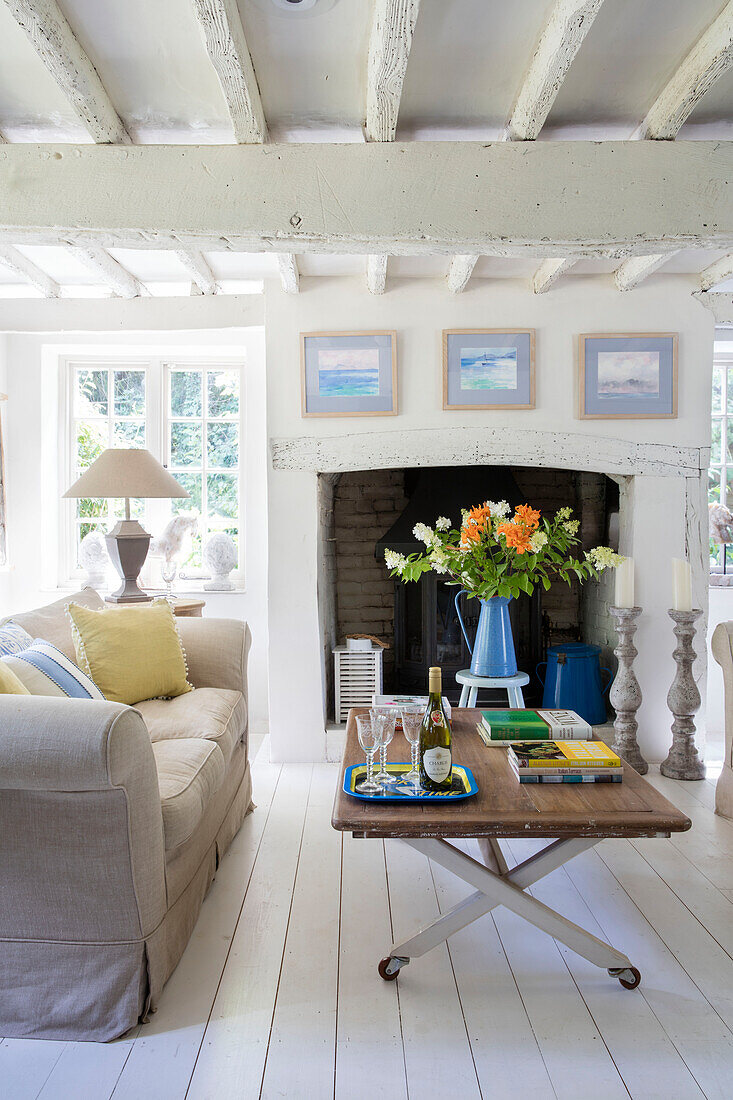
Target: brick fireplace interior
x: 356, y: 594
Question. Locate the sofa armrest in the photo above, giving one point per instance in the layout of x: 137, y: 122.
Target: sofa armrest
x: 82, y: 854
x: 721, y: 646
x: 217, y: 651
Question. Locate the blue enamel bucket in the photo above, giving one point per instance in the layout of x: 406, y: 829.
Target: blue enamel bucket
x: 573, y: 680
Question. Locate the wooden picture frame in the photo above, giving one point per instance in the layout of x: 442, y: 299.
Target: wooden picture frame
x: 316, y: 403
x: 521, y: 339
x: 628, y: 405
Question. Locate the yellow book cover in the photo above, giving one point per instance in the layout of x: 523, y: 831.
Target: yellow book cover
x: 561, y: 754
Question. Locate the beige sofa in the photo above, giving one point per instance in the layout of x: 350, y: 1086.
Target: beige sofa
x: 112, y: 823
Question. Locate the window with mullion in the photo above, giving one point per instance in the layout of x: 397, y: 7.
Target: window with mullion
x: 109, y: 409
x: 203, y: 449
x: 720, y: 472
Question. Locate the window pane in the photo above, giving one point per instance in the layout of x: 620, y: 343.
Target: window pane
x: 186, y: 447
x: 186, y: 392
x: 713, y: 486
x: 715, y: 455
x: 729, y: 493
x: 222, y: 445
x: 730, y: 389
x: 91, y: 440
x: 718, y: 387
x: 137, y: 509
x: 90, y: 509
x: 192, y: 503
x: 90, y: 393
x: 129, y: 392
x: 222, y: 494
x: 729, y: 441
x: 129, y: 433
x: 223, y: 392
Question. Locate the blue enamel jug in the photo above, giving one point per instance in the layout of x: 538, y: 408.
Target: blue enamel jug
x: 492, y: 652
x: 573, y: 681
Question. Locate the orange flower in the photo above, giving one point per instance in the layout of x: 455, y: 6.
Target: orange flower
x: 474, y: 523
x: 516, y: 535
x: 530, y: 517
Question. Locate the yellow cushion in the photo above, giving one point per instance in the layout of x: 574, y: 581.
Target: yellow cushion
x: 131, y: 653
x: 9, y: 682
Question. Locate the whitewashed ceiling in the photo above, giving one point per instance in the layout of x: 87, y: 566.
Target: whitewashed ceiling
x: 467, y: 62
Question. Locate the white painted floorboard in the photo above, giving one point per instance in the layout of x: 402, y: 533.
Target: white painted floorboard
x: 278, y: 995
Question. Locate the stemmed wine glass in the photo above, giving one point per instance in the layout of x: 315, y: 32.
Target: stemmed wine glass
x: 384, y: 717
x: 168, y: 570
x: 369, y: 733
x: 411, y: 724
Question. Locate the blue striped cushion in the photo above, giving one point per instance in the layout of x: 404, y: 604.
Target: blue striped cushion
x: 13, y: 638
x: 45, y: 670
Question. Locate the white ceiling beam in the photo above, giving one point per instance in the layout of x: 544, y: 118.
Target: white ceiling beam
x: 227, y: 48
x: 107, y: 269
x: 549, y: 272
x: 197, y: 267
x: 289, y: 274
x: 56, y: 44
x: 390, y: 41
x: 376, y: 273
x: 627, y: 198
x: 562, y: 37
x: 28, y: 272
x: 719, y: 304
x: 716, y: 273
x: 706, y: 62
x: 637, y: 268
x: 460, y: 271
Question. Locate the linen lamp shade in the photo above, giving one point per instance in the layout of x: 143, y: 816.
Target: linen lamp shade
x: 122, y: 472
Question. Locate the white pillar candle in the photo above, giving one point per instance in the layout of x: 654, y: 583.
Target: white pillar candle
x: 624, y: 593
x: 682, y: 585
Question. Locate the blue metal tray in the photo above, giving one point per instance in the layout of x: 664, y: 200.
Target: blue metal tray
x: 463, y: 782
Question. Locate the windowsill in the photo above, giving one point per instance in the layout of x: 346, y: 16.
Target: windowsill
x: 182, y: 591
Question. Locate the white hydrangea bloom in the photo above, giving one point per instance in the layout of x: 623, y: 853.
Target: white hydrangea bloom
x: 442, y: 523
x: 438, y: 561
x: 498, y: 509
x: 564, y: 513
x: 571, y: 526
x: 424, y: 533
x: 603, y: 557
x: 393, y: 560
x: 537, y: 541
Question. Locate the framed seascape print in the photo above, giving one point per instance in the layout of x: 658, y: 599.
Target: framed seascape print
x: 488, y: 368
x: 631, y: 375
x: 348, y: 373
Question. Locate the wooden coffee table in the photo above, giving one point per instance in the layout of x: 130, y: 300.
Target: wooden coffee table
x: 573, y: 817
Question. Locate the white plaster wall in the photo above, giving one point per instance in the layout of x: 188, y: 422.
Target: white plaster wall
x: 32, y: 447
x: 419, y: 311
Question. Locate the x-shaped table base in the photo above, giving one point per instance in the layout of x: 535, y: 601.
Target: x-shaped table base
x: 507, y: 887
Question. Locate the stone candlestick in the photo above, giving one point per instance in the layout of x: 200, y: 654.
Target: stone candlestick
x: 625, y: 693
x: 683, y: 700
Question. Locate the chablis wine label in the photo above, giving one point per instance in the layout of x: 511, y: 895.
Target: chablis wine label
x: 436, y: 761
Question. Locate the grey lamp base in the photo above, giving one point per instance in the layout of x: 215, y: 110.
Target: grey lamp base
x: 127, y: 545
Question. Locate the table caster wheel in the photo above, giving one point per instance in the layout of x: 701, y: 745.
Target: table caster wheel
x: 629, y: 976
x: 390, y: 967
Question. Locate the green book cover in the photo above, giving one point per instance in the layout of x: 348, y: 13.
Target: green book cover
x: 530, y: 725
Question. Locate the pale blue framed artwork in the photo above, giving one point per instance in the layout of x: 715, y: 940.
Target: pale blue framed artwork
x: 488, y: 368
x: 348, y: 373
x: 629, y: 375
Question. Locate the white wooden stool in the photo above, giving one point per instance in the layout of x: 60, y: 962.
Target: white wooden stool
x: 511, y: 684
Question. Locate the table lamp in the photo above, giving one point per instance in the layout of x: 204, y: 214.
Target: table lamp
x: 127, y: 472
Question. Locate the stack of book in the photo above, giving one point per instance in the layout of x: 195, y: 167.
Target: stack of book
x: 564, y: 762
x: 508, y: 726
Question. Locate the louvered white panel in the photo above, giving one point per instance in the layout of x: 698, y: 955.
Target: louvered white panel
x: 357, y: 677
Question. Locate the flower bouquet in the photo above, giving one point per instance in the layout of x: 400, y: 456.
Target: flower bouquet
x: 495, y: 558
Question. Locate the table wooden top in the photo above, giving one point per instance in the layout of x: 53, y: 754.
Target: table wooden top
x: 503, y: 807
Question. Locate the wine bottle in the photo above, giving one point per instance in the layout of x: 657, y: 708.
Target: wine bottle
x: 436, y: 761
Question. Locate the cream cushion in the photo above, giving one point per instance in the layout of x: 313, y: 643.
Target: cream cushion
x: 190, y: 772
x: 51, y: 623
x: 213, y: 714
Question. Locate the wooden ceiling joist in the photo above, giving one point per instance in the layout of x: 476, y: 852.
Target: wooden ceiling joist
x: 716, y: 273
x: 706, y: 62
x: 107, y: 269
x: 390, y: 41
x: 28, y: 271
x: 197, y: 267
x: 227, y: 48
x: 376, y: 273
x: 549, y: 272
x: 289, y: 274
x: 562, y: 37
x: 460, y: 271
x: 637, y: 268
x: 633, y: 197
x: 56, y: 44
